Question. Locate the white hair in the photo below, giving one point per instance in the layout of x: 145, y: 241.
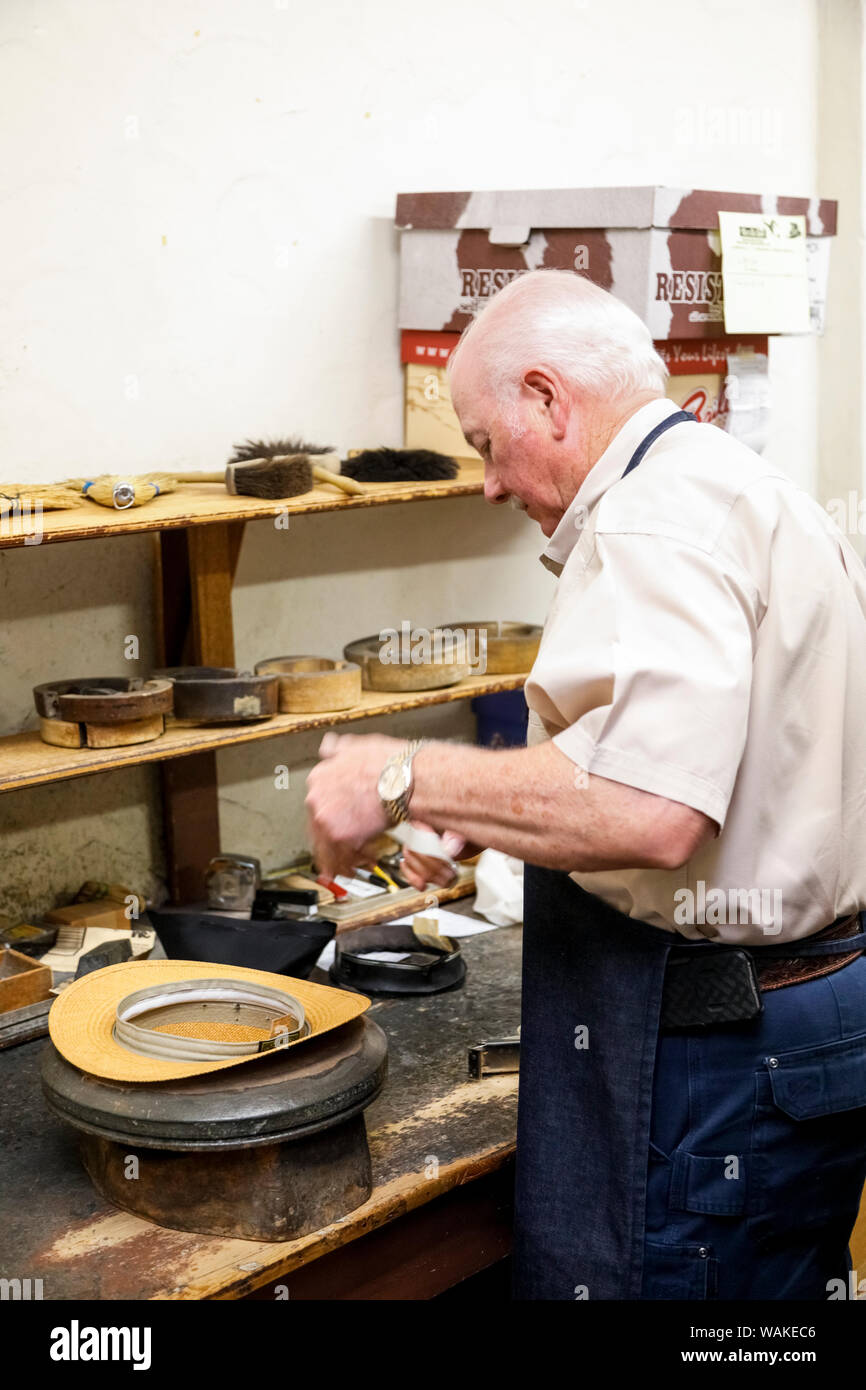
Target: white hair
x: 560, y: 320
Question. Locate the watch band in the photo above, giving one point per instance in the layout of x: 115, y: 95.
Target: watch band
x: 397, y: 809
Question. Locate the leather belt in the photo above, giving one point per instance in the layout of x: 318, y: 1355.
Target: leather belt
x: 780, y: 971
x: 775, y: 970
x: 103, y: 699
x: 220, y: 694
x: 432, y: 964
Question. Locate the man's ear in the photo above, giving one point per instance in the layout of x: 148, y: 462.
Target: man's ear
x: 553, y: 398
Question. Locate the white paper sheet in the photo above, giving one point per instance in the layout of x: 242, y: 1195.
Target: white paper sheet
x: 764, y: 273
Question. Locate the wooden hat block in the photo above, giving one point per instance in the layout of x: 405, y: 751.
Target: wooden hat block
x: 270, y: 1151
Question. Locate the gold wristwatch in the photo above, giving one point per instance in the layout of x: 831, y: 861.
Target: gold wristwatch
x: 396, y: 783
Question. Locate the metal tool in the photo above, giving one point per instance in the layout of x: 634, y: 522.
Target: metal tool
x: 495, y: 1057
x: 272, y: 903
x: 232, y: 881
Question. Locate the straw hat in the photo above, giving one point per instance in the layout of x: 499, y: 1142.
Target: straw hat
x: 188, y: 1018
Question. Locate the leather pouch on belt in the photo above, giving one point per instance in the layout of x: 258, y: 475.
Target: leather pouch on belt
x: 708, y: 986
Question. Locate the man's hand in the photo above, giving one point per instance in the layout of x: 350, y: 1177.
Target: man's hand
x: 343, y: 808
x: 423, y: 869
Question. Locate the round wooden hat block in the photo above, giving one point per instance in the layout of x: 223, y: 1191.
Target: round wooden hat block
x: 268, y: 1150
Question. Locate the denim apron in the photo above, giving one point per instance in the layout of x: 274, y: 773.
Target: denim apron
x: 592, y: 991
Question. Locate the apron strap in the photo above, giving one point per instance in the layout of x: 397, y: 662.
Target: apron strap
x: 679, y: 418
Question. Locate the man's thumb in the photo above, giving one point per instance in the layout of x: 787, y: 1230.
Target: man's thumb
x: 329, y: 745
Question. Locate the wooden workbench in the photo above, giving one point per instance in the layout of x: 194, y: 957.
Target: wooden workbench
x: 441, y: 1147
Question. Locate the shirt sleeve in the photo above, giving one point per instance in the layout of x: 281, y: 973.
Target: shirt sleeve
x: 649, y: 664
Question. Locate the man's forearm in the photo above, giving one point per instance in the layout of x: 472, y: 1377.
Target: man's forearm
x: 536, y: 804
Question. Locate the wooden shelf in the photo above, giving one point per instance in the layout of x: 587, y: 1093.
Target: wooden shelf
x: 198, y: 533
x: 25, y: 761
x: 202, y: 504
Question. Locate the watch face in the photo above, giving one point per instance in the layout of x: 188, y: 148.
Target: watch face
x: 392, y: 782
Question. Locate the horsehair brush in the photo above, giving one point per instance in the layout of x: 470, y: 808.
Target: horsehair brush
x: 400, y: 466
x: 261, y: 449
x: 271, y: 478
x: 255, y: 450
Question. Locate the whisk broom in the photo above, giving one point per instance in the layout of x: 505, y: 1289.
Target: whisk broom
x: 50, y: 497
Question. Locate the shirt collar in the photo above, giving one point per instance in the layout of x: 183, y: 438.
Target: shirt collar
x: 606, y: 471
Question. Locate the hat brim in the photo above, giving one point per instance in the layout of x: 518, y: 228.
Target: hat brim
x: 81, y: 1019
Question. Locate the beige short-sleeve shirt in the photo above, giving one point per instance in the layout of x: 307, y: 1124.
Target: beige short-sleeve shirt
x: 707, y: 642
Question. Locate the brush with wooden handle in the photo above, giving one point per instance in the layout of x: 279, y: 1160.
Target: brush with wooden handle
x: 244, y: 478
x: 327, y: 467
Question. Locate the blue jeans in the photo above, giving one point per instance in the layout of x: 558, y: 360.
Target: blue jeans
x: 758, y: 1148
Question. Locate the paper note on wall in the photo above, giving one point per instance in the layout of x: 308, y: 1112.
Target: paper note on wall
x: 818, y: 267
x: 764, y: 273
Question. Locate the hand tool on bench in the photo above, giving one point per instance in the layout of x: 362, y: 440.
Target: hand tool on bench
x: 494, y: 1057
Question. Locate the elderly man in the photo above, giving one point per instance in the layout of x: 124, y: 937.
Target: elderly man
x: 691, y: 810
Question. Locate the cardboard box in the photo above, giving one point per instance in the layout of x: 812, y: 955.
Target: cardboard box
x: 429, y: 420
x: 698, y: 371
x: 655, y: 248
x: 103, y: 912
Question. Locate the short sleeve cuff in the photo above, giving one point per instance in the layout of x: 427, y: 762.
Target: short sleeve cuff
x: 661, y: 779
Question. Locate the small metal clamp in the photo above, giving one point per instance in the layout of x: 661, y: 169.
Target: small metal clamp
x: 495, y: 1057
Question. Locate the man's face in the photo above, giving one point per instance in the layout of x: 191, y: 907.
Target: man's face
x: 524, y: 468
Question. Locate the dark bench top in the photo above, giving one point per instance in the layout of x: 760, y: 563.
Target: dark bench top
x: 430, y: 1130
